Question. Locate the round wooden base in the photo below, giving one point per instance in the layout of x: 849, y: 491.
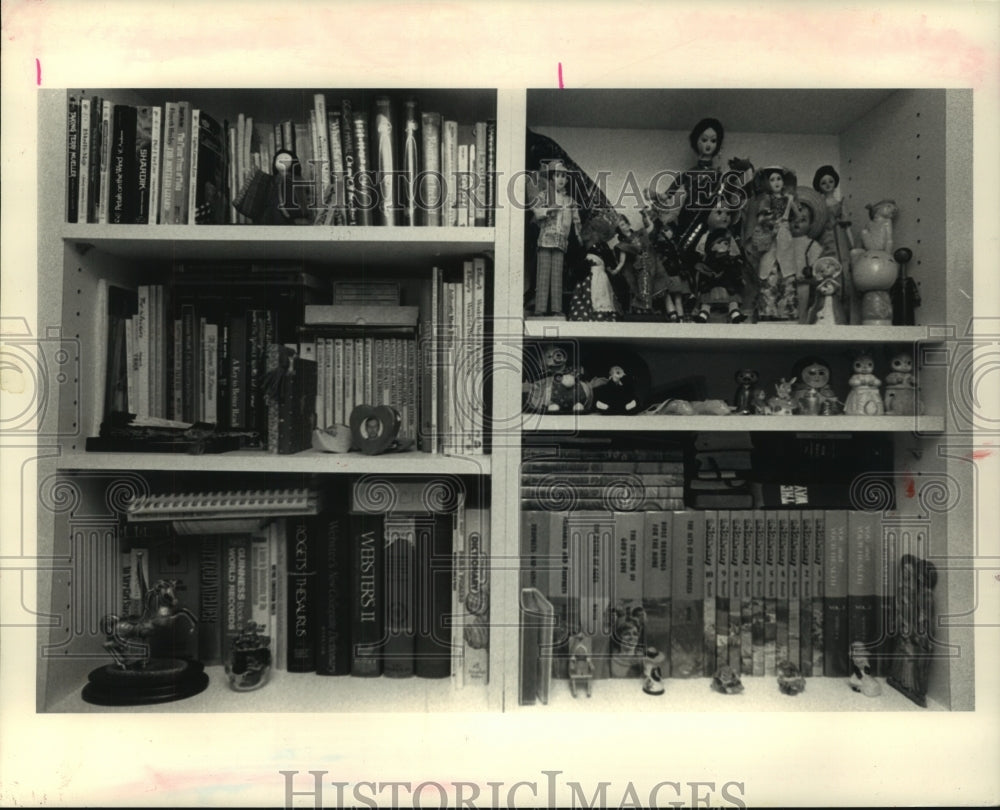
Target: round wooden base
x: 162, y: 680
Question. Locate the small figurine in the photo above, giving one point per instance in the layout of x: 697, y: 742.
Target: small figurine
x: 581, y: 666
x: 659, y: 220
x: 616, y: 394
x: 652, y: 677
x: 864, y: 398
x: 719, y: 277
x: 901, y: 395
x: 782, y: 404
x: 559, y: 389
x: 827, y: 308
x: 813, y: 395
x: 725, y: 681
x: 628, y: 250
x: 626, y: 645
x: 556, y: 214
x: 912, y: 643
x: 861, y: 679
x: 746, y: 393
x: 904, y: 294
x: 877, y: 234
x: 593, y: 298
x: 837, y: 238
x: 249, y: 664
x: 790, y: 680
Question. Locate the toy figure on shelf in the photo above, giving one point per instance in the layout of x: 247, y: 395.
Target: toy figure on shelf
x: 861, y: 679
x: 719, y: 277
x: 628, y: 250
x: 725, y: 681
x: 782, y: 403
x: 773, y: 187
x: 877, y: 234
x: 912, y: 614
x: 556, y: 214
x: 864, y: 398
x: 559, y: 388
x: 746, y: 393
x: 790, y: 680
x: 873, y: 267
x: 581, y: 665
x: 659, y: 220
x: 593, y: 298
x: 626, y: 645
x: 615, y: 394
x: 904, y: 294
x: 827, y: 308
x: 249, y: 664
x: 652, y: 676
x: 812, y: 394
x: 837, y: 238
x: 901, y: 395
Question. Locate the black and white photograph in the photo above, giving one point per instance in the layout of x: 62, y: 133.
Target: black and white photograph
x: 489, y: 405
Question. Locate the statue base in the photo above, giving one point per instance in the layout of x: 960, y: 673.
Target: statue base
x: 161, y: 680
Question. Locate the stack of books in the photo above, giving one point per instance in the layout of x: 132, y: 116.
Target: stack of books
x: 722, y: 464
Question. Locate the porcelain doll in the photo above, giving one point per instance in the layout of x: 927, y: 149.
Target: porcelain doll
x: 864, y: 398
x: 557, y: 215
x: 719, y: 277
x: 813, y: 394
x: 594, y: 298
x: 777, y: 291
x: 827, y: 308
x: 837, y: 237
x: 628, y: 249
x: 877, y: 234
x: 901, y: 395
x: 659, y: 227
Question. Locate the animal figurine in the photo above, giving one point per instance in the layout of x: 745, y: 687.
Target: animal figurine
x: 746, y: 392
x: 864, y: 398
x: 861, y: 679
x: 725, y: 681
x: 615, y: 394
x: 877, y: 234
x: 782, y: 403
x: 161, y: 609
x: 790, y: 680
x: 581, y: 666
x: 652, y: 676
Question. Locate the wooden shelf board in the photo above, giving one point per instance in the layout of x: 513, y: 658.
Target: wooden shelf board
x: 700, y: 334
x: 537, y: 423
x: 303, y: 243
x: 309, y: 461
x: 307, y: 692
x: 760, y: 694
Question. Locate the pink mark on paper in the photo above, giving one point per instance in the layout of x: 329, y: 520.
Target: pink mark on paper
x: 909, y: 485
x: 561, y: 85
x: 979, y: 455
x: 38, y: 72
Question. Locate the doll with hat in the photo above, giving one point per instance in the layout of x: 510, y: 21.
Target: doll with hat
x: 719, y: 277
x: 557, y: 215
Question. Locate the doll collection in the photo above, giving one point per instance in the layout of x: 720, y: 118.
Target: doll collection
x: 721, y: 242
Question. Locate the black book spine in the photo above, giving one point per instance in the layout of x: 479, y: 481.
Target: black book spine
x: 72, y: 158
x: 303, y: 546
x: 365, y: 194
x: 142, y: 165
x: 367, y: 594
x: 400, y: 598
x: 122, y: 198
x: 350, y: 158
x: 434, y: 566
x: 333, y: 601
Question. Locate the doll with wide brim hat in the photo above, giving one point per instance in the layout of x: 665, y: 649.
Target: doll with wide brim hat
x: 557, y: 215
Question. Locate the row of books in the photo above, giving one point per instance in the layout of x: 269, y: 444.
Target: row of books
x: 744, y: 588
x: 346, y: 590
x: 177, y: 164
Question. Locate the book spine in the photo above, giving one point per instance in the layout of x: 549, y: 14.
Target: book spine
x: 143, y: 164
x: 429, y: 188
x: 333, y: 650
x: 322, y: 130
x: 260, y: 582
x: 295, y: 411
x: 758, y: 590
x: 449, y: 170
x: 168, y: 160
x: 794, y: 587
x: 491, y: 172
x: 461, y: 182
x: 459, y: 590
x: 687, y: 658
x: 107, y: 147
x: 862, y: 536
x: 657, y: 582
x: 400, y: 597
x: 591, y: 539
x: 818, y: 578
x: 155, y: 164
x: 303, y: 541
x: 210, y: 361
x: 123, y: 153
x: 836, y: 642
x: 367, y: 595
x: 711, y: 594
x: 746, y: 603
x: 350, y: 160
x: 735, y: 637
x: 210, y: 601
x: 364, y: 187
x: 411, y: 162
x: 771, y: 592
x: 182, y: 161
x: 85, y: 185
x: 385, y: 160
x: 781, y: 574
x: 191, y: 198
x: 278, y: 536
x: 434, y: 579
x: 236, y: 590
x: 627, y: 618
x: 478, y: 398
x: 724, y: 602
x: 806, y: 592
x: 562, y: 592
x: 478, y: 191
x: 72, y: 158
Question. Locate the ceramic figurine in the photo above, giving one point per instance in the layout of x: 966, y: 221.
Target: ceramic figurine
x: 719, y: 277
x: 557, y: 215
x: 725, y: 681
x: 837, y: 238
x: 827, y: 308
x: 773, y: 186
x: 782, y: 403
x: 790, y: 680
x: 877, y: 234
x: 593, y: 298
x: 912, y: 646
x: 777, y: 292
x: 581, y: 666
x: 746, y: 393
x: 861, y: 679
x: 864, y: 398
x: 873, y: 267
x: 813, y: 394
x: 902, y: 398
x: 615, y: 395
x: 652, y: 677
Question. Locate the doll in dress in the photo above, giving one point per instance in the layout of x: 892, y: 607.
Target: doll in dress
x: 719, y: 277
x: 827, y: 308
x: 659, y: 220
x: 812, y: 393
x: 594, y: 297
x: 864, y: 398
x: 557, y: 215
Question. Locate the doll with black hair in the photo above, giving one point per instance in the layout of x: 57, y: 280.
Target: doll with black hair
x: 812, y: 392
x: 594, y: 297
x: 719, y: 277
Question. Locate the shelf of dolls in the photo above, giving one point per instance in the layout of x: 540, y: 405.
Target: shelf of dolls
x: 591, y: 422
x: 691, y: 333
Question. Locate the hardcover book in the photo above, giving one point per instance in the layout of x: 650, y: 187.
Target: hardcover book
x: 385, y: 160
x: 398, y: 652
x: 836, y: 641
x: 628, y: 618
x: 367, y: 594
x: 687, y: 659
x: 536, y: 627
x: 411, y: 162
x: 207, y: 204
x: 434, y: 573
x: 475, y: 601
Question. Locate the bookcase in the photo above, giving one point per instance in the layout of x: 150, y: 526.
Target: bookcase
x: 912, y: 145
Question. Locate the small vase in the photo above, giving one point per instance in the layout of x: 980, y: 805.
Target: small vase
x: 249, y: 669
